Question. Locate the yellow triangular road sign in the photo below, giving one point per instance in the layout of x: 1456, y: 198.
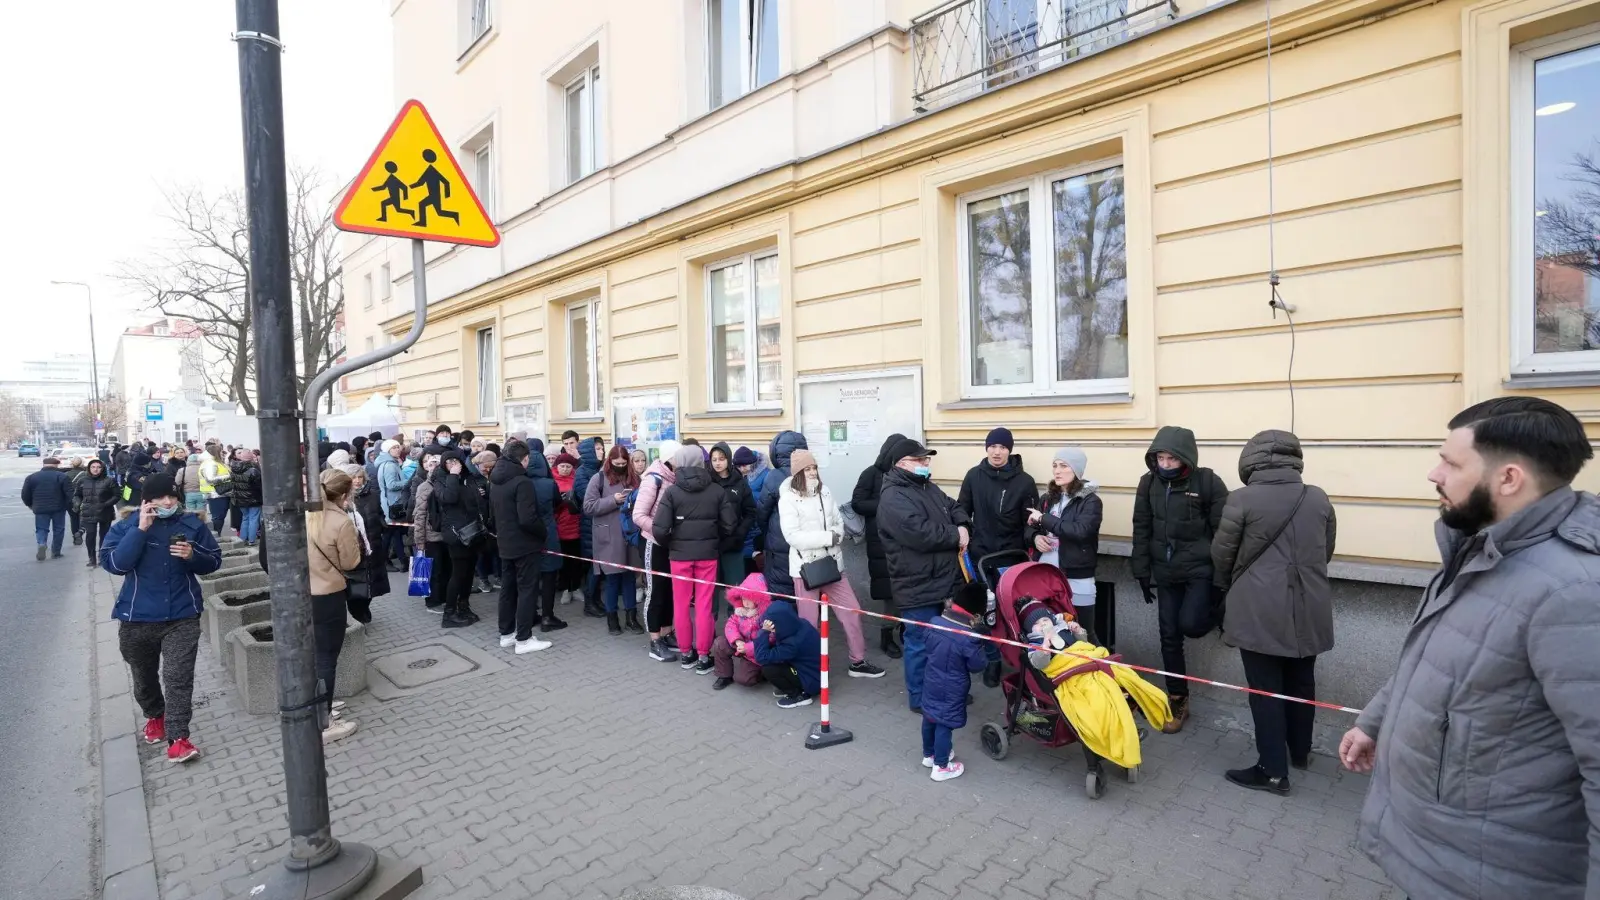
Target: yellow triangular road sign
x: 413, y: 188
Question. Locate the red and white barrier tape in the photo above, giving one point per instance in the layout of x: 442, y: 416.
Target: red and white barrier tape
x: 986, y: 637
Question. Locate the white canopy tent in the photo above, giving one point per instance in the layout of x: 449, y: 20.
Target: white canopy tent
x: 374, y: 415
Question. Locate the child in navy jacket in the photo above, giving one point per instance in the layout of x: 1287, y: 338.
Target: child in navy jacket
x: 952, y: 659
x: 790, y: 656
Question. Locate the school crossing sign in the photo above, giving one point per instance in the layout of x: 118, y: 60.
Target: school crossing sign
x: 412, y: 187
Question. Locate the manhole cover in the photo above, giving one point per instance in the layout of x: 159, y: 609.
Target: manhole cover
x: 422, y: 665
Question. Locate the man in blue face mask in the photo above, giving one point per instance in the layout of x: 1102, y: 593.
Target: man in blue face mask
x: 161, y: 549
x: 923, y: 533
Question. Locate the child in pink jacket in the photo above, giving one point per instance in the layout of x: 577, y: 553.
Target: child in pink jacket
x: 731, y: 652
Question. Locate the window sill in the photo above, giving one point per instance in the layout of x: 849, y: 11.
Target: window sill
x: 1372, y: 573
x: 763, y: 412
x: 476, y: 47
x: 1552, y: 380
x: 583, y: 419
x: 1016, y: 402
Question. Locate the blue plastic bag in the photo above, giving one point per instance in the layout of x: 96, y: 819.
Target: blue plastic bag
x: 421, y: 576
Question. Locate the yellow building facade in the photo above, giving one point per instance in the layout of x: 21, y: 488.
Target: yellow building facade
x: 1077, y: 249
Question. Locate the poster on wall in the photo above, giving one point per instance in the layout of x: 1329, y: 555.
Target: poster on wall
x: 525, y: 417
x: 644, y: 419
x: 845, y: 418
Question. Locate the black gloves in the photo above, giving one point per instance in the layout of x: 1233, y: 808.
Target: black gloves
x: 1147, y: 589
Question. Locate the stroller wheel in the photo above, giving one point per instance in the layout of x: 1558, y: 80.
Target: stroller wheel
x: 1133, y: 775
x: 1094, y: 785
x: 995, y: 742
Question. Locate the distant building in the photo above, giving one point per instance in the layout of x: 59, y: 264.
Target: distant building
x: 52, y: 391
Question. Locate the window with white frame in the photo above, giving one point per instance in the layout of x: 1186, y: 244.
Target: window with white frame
x: 370, y: 345
x: 366, y: 290
x: 1044, y: 286
x: 483, y: 175
x: 180, y: 432
x: 584, y: 383
x: 584, y: 133
x: 475, y: 19
x: 746, y: 331
x: 741, y: 47
x: 488, y: 375
x: 385, y: 283
x: 1556, y: 210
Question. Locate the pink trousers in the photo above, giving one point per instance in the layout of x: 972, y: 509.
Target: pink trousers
x: 699, y: 632
x: 842, y: 599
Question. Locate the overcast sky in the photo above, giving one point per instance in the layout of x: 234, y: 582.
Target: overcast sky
x: 106, y: 102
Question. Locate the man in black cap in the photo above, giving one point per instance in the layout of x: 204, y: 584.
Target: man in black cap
x: 163, y: 549
x: 923, y: 532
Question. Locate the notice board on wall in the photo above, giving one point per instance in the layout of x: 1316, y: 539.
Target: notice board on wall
x: 643, y: 419
x: 846, y: 418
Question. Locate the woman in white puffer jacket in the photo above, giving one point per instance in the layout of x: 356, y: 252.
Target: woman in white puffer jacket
x: 814, y: 529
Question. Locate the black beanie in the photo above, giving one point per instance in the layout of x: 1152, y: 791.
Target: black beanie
x: 157, y: 486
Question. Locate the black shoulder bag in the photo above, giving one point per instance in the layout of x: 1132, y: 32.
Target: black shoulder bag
x: 819, y: 573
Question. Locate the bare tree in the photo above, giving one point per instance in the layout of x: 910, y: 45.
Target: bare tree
x: 113, y: 412
x: 13, y: 418
x: 202, y: 274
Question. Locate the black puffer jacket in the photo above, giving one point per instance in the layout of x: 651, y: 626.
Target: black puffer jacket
x: 695, y: 515
x: 456, y: 499
x: 776, y: 551
x: 864, y: 500
x: 246, y: 485
x: 366, y: 503
x: 744, y: 503
x: 1279, y: 599
x: 918, y: 524
x: 1175, y: 518
x: 997, y: 503
x: 96, y: 496
x: 1077, y: 528
x: 519, y: 528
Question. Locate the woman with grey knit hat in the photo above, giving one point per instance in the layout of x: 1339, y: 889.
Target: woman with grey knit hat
x: 1066, y: 529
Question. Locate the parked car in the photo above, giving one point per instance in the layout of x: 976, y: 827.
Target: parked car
x: 27, y: 448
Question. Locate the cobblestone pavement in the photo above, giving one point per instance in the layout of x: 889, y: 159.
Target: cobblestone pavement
x: 588, y: 770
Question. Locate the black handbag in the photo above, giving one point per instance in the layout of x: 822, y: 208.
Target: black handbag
x: 819, y: 573
x: 468, y: 533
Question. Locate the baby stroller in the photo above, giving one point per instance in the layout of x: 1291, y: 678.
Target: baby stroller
x: 1031, y: 706
x: 988, y: 571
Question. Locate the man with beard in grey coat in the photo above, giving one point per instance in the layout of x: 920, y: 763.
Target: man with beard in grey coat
x: 1484, y: 746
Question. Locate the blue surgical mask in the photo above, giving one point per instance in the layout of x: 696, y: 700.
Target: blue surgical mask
x: 444, y: 440
x: 922, y: 471
x: 167, y: 512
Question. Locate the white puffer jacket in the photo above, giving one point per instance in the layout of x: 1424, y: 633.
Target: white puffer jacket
x: 811, y: 524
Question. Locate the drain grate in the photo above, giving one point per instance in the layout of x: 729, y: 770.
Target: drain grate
x: 428, y: 663
x: 420, y: 666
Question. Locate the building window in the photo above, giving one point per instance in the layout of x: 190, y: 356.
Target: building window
x: 1056, y: 321
x: 741, y: 47
x: 584, y: 384
x: 483, y: 175
x: 583, y: 131
x: 476, y: 18
x: 180, y: 432
x: 385, y: 283
x: 1556, y: 306
x: 488, y: 375
x: 741, y: 292
x: 366, y: 291
x: 370, y: 345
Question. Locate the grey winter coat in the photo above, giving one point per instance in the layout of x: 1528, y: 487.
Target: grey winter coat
x: 1282, y: 604
x: 600, y: 507
x: 1487, y: 778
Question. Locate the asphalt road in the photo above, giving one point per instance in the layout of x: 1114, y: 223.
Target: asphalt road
x: 48, y: 793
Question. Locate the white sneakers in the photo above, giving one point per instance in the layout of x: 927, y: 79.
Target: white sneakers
x: 946, y: 773
x: 927, y: 761
x: 531, y: 645
x: 338, y: 729
x: 507, y: 640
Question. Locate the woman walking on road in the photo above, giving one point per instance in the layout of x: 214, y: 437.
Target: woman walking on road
x: 94, y: 500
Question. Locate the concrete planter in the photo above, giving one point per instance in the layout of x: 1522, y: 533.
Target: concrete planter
x: 239, y: 581
x: 236, y: 566
x: 227, y: 610
x: 255, y: 671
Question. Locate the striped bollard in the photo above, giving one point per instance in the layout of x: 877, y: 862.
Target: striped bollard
x: 822, y: 735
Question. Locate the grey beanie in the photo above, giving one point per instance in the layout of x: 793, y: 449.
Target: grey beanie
x: 1074, y: 457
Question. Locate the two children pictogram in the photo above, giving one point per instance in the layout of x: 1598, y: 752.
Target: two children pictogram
x: 435, y: 184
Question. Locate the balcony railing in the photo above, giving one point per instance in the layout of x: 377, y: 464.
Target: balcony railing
x: 966, y: 47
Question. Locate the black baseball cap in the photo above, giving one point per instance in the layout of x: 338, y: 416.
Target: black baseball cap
x: 907, y: 447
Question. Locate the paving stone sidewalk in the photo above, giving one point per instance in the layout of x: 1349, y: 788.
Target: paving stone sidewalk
x: 589, y: 770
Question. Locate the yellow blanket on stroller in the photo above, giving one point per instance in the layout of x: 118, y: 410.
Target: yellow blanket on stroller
x: 1093, y: 703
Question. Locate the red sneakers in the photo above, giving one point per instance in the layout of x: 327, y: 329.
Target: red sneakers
x: 155, y: 730
x: 181, y: 751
